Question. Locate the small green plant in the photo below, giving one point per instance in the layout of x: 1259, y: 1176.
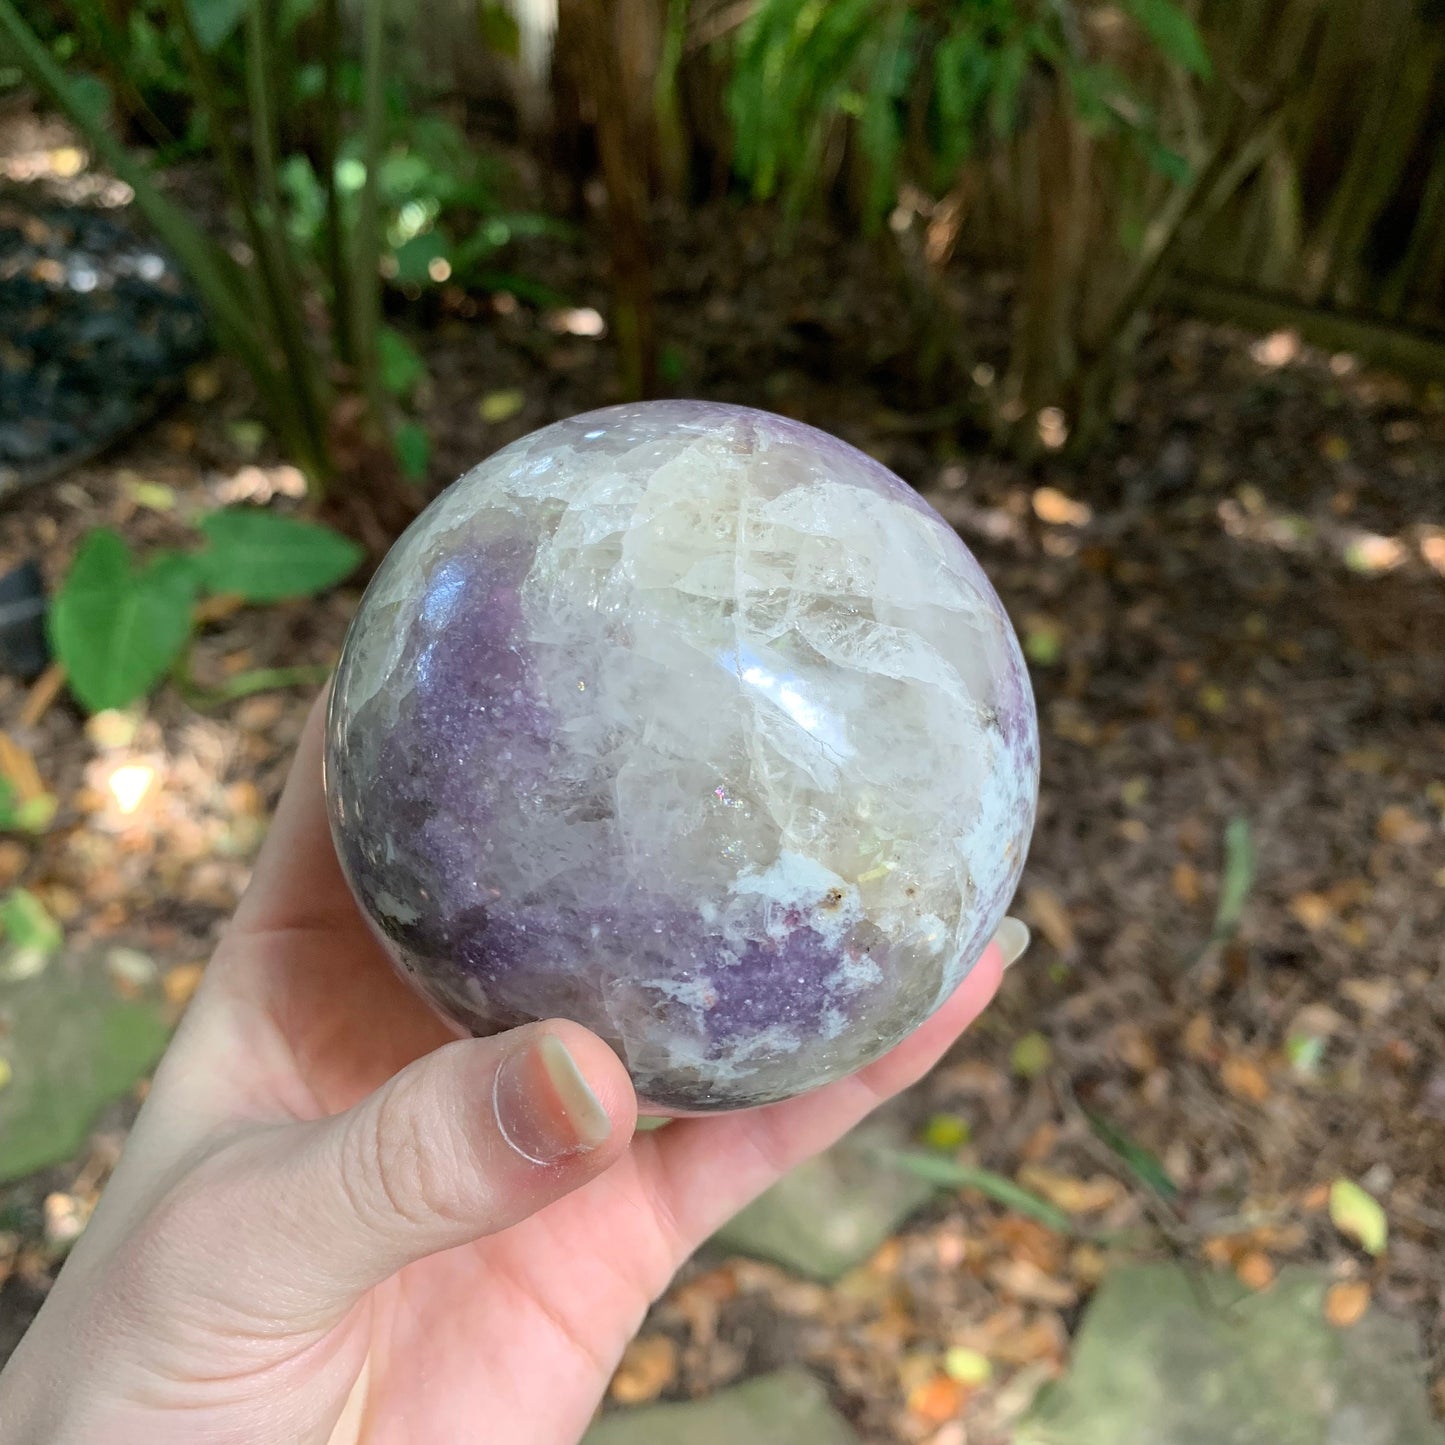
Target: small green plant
x: 120, y: 627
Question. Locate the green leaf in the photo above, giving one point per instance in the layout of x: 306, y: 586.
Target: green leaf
x: 399, y: 362
x: 1359, y: 1215
x: 498, y: 29
x: 116, y: 629
x: 265, y: 557
x: 1031, y: 1056
x: 215, y: 20
x: 1140, y: 1161
x: 413, y: 450
x: 1238, y: 880
x: 414, y: 257
x: 25, y: 923
x: 498, y: 406
x: 1171, y: 29
x: 946, y: 1132
x: 948, y: 1175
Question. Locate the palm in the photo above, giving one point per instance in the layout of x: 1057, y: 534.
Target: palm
x: 511, y: 1320
x: 303, y: 1017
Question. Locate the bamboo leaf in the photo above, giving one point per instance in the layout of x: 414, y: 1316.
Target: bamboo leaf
x: 947, y: 1174
x: 1171, y: 29
x: 1140, y: 1161
x: 1238, y: 880
x: 215, y: 21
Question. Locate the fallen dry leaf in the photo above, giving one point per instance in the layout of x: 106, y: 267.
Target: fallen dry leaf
x: 1313, y: 910
x: 1185, y: 882
x: 1053, y: 507
x: 647, y: 1368
x: 937, y: 1401
x: 1397, y: 824
x: 1198, y: 1039
x: 180, y: 982
x: 1026, y: 1281
x: 1255, y: 1270
x: 1347, y: 1302
x: 1072, y: 1195
x: 1244, y: 1078
x: 1373, y: 995
x: 1051, y: 918
x: 1043, y: 1338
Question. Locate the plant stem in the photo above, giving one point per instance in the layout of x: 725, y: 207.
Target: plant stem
x: 259, y: 679
x: 366, y: 251
x: 290, y: 327
x: 341, y: 317
x: 276, y: 295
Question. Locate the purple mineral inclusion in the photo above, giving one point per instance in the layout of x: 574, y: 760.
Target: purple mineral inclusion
x: 695, y: 725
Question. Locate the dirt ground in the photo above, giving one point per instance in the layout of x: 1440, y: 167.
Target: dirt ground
x: 1234, y: 610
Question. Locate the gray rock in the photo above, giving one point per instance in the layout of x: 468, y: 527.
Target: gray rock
x: 787, y: 1408
x: 831, y: 1213
x: 1169, y: 1358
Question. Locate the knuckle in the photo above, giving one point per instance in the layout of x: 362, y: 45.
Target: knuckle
x: 400, y: 1170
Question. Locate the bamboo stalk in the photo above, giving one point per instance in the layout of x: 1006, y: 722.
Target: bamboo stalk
x: 341, y: 305
x: 290, y: 323
x: 366, y: 249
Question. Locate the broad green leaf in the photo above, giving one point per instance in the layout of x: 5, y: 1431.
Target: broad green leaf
x: 265, y: 557
x: 949, y: 1175
x: 116, y: 629
x: 215, y: 20
x: 1171, y: 29
x: 26, y: 923
x: 413, y: 450
x: 1358, y: 1214
x: 1148, y: 1169
x: 399, y: 362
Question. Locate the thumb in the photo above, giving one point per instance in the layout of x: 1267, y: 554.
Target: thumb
x: 464, y: 1142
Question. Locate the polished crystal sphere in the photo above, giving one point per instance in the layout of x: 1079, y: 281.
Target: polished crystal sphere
x: 695, y: 725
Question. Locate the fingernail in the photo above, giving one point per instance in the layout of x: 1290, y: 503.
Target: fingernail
x: 1012, y: 939
x: 545, y: 1108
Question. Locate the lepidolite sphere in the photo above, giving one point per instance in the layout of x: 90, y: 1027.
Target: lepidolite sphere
x: 695, y: 725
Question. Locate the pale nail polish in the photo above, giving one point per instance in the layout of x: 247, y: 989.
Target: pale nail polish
x: 546, y: 1110
x: 1012, y: 939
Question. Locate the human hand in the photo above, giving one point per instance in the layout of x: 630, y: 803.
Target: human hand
x: 330, y: 1225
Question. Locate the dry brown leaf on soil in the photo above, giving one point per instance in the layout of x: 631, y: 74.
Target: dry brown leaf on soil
x: 647, y: 1368
x: 1027, y: 1239
x: 937, y: 1401
x: 1198, y: 1039
x: 180, y: 982
x: 1373, y: 995
x: 1347, y: 1302
x: 1255, y: 1270
x: 1051, y: 918
x: 1313, y: 910
x: 1026, y: 1281
x: 1397, y: 824
x: 1072, y: 1195
x: 1185, y: 882
x: 1244, y: 1078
